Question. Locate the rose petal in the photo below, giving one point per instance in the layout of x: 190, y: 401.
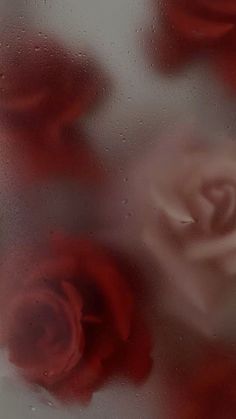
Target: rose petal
x: 194, y: 26
x: 103, y: 270
x: 88, y: 376
x: 137, y: 361
x: 211, y: 248
x: 224, y: 8
x: 61, y: 359
x: 116, y: 292
x: 169, y: 51
x: 191, y: 281
x: 173, y: 207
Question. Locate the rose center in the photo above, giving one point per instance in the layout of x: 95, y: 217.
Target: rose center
x: 39, y: 329
x: 222, y: 199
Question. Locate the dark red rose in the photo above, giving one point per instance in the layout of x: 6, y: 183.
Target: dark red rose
x: 202, y: 27
x: 72, y: 321
x: 43, y: 85
x: 211, y: 390
x: 43, y: 88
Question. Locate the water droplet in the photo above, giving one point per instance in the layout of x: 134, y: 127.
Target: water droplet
x: 50, y: 403
x: 126, y: 179
x: 32, y: 408
x: 45, y: 373
x: 37, y: 48
x: 125, y: 201
x: 2, y: 76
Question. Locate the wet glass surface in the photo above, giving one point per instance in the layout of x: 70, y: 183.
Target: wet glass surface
x: 117, y: 185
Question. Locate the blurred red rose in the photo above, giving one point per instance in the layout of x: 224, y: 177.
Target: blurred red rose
x: 193, y: 28
x: 43, y: 89
x: 44, y: 86
x: 73, y: 321
x: 211, y: 391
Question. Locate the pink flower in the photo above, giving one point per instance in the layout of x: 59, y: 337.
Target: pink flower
x: 190, y: 224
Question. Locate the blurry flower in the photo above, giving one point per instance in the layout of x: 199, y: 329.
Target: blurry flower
x: 71, y: 321
x: 44, y: 86
x: 189, y: 221
x: 43, y: 89
x: 193, y: 28
x: 211, y: 390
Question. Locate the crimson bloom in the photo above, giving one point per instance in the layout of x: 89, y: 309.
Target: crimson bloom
x: 43, y: 85
x: 73, y: 321
x: 44, y: 88
x: 200, y: 27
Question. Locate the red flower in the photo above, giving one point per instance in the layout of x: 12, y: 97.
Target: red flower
x: 197, y: 27
x: 43, y: 86
x: 73, y: 321
x: 43, y: 89
x: 211, y: 392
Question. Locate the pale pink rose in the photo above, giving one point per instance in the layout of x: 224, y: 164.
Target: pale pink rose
x: 189, y: 223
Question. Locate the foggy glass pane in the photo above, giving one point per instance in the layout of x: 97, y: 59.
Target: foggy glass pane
x: 118, y: 209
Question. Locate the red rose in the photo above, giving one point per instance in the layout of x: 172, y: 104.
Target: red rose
x: 43, y: 85
x: 197, y: 27
x: 211, y: 392
x: 73, y: 322
x: 43, y: 89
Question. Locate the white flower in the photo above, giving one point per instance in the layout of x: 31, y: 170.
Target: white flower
x: 189, y: 223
